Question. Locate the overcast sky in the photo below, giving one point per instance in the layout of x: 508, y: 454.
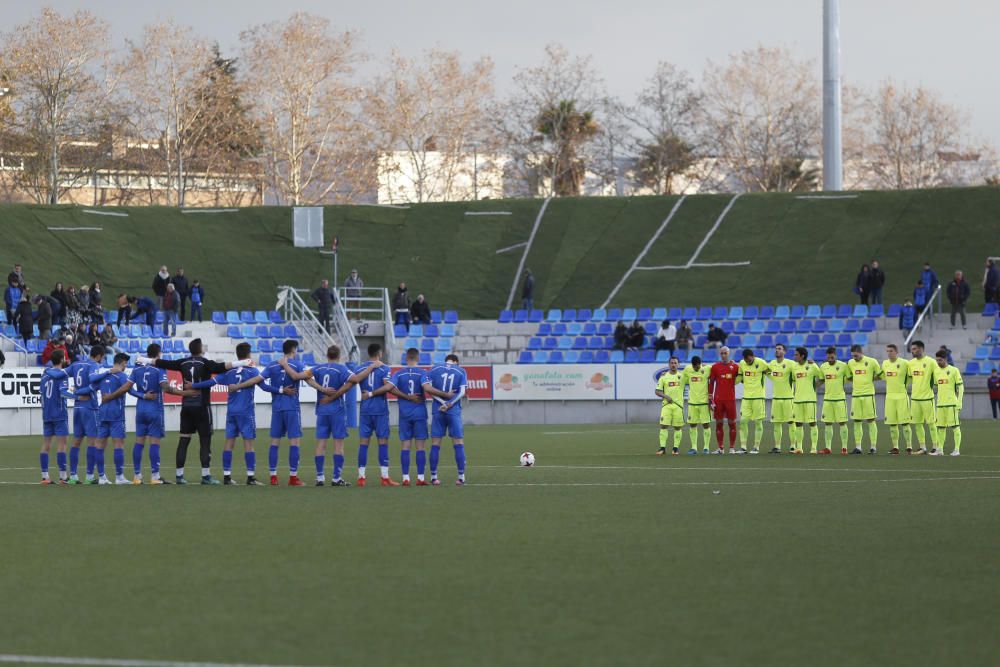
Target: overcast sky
x: 948, y: 47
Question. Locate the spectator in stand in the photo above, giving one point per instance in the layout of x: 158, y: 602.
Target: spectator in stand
x: 877, y: 282
x: 74, y: 314
x: 352, y: 289
x: 25, y: 318
x: 908, y: 316
x: 991, y: 282
x: 171, y: 306
x: 145, y: 307
x: 124, y: 309
x: 97, y: 299
x: 93, y: 335
x: 73, y: 347
x: 108, y: 338
x: 621, y: 336
x: 685, y: 337
x: 43, y: 318
x: 636, y: 335
x: 666, y: 337
x: 420, y: 311
x: 528, y: 291
x: 947, y: 353
x: 83, y: 296
x: 930, y: 280
x: 716, y: 336
x: 863, y: 284
x: 958, y: 295
x: 401, y: 306
x: 55, y: 343
x: 59, y: 294
x: 919, y: 296
x: 324, y: 298
x: 180, y: 282
x: 993, y: 384
x: 197, y: 298
x: 11, y: 300
x: 160, y: 281
x: 16, y: 277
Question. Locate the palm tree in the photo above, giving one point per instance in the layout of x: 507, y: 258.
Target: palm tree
x: 567, y: 129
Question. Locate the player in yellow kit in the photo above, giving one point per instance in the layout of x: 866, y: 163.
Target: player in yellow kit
x: 950, y: 392
x: 780, y: 373
x: 695, y: 376
x: 834, y: 411
x: 896, y: 372
x: 862, y: 372
x: 922, y: 395
x: 752, y: 372
x: 670, y: 388
x: 805, y: 376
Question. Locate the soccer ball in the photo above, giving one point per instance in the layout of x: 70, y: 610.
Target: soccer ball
x: 527, y: 459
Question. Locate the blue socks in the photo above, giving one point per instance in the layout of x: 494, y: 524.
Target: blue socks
x: 91, y: 459
x: 435, y: 457
x: 227, y: 461
x: 137, y: 458
x: 99, y: 459
x: 320, y: 463
x: 338, y: 466
x: 74, y: 460
x: 460, y: 459
x: 272, y: 459
x: 154, y: 458
x: 383, y: 455
x: 43, y: 460
x: 293, y: 459
x: 61, y: 461
x: 119, y: 459
x: 251, y: 460
x: 404, y: 461
x: 362, y: 456
x: 421, y: 461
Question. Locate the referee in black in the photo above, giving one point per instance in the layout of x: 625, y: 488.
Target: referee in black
x: 196, y: 414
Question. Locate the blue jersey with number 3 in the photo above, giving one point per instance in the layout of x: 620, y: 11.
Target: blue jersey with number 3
x: 411, y: 380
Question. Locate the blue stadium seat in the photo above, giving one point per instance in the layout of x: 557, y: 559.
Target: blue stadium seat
x: 605, y: 329
x: 603, y: 356
x: 520, y: 316
x: 788, y: 327
x: 290, y: 331
x: 749, y: 340
x: 254, y: 346
x: 647, y: 357
x: 264, y: 345
x: 426, y: 345
x: 736, y: 313
x: 726, y: 326
x: 436, y: 317
x: 990, y: 310
x: 766, y: 312
x: 432, y: 331
x: 584, y: 315
x: 559, y: 329
x: 782, y: 313
x: 589, y: 329
x: 894, y: 310
x: 451, y: 317
x: 232, y: 317
x: 524, y: 358
x: 698, y: 327
x: 860, y: 338
x: 443, y: 345
x: 844, y: 340
x: 571, y: 357
x: 277, y: 331
x: 797, y: 312
x: 447, y: 330
x: 860, y: 310
x: 555, y: 315
x: 565, y: 342
x: 837, y: 325
x: 735, y: 341
x: 742, y: 327
x: 631, y: 357
x: 556, y: 357
x: 275, y: 317
x: 659, y: 314
x: 599, y: 315
x: 782, y: 339
x: 399, y: 331
x: 159, y: 318
x: 662, y: 356
x: 972, y: 368
x: 720, y: 313
x: 248, y: 331
x: 580, y: 343
x: 586, y: 357
x: 751, y: 313
x: 544, y: 329
x: 852, y: 326
x: 595, y: 343
x: 417, y: 330
x: 617, y: 357
x: 266, y: 359
x: 758, y: 326
x: 534, y: 343
x: 797, y: 340
x: 218, y: 317
x: 507, y: 316
x: 766, y: 340
x: 868, y: 325
x: 609, y: 342
x: 773, y: 326
x: 994, y: 354
x: 540, y: 357
x: 651, y: 328
x: 308, y: 358
x: 535, y: 316
x: 844, y: 310
x: 710, y: 356
x: 568, y: 315
x: 700, y: 341
x: 805, y: 326
x: 674, y: 313
x: 246, y: 317
x: 828, y: 340
x: 829, y: 311
x: 425, y: 359
x: 260, y: 317
x: 550, y: 343
x: 705, y: 313
x: 402, y: 358
x: 876, y: 310
x: 644, y: 314
x: 814, y: 311
x: 614, y: 314
x: 812, y: 340
x: 821, y: 326
x: 629, y: 314
x: 233, y: 331
x: 261, y: 332
x: 982, y: 352
x: 179, y: 346
x: 996, y: 325
x: 682, y: 355
x: 574, y: 328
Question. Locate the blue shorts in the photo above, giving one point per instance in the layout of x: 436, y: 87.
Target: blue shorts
x: 241, y: 425
x: 286, y: 424
x: 412, y: 429
x: 84, y: 423
x: 447, y: 423
x: 149, y: 423
x: 60, y: 427
x: 377, y: 424
x: 331, y: 426
x: 111, y: 430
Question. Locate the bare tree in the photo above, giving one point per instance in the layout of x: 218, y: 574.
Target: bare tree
x: 549, y: 121
x: 427, y: 117
x: 298, y: 77
x: 58, y: 75
x: 762, y: 118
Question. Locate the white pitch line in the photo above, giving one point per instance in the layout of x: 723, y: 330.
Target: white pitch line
x: 512, y: 247
x: 697, y: 265
x: 210, y: 210
x: 642, y: 253
x: 757, y: 483
x: 488, y: 213
x: 742, y: 468
x: 116, y: 662
x: 396, y: 206
x: 117, y: 214
x: 610, y: 430
x: 75, y: 229
x: 711, y: 232
x: 527, y: 249
x: 826, y: 197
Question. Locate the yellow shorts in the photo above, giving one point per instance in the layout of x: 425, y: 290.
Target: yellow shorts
x: 752, y: 408
x: 672, y: 415
x: 834, y: 411
x: 781, y: 410
x: 804, y: 413
x: 862, y: 408
x: 897, y: 410
x: 947, y: 416
x: 699, y: 414
x: 922, y: 411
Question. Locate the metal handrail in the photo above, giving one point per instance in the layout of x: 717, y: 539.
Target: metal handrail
x: 316, y: 338
x: 928, y: 308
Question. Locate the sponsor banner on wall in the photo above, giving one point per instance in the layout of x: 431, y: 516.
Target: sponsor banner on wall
x: 637, y: 382
x: 560, y: 382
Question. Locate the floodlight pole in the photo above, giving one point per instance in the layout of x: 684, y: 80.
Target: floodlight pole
x: 833, y: 168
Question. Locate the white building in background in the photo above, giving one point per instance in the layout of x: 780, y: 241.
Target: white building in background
x: 433, y: 176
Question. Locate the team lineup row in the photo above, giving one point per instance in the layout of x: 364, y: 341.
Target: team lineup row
x: 99, y: 413
x: 918, y: 392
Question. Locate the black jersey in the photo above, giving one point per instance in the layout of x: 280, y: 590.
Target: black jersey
x: 194, y: 369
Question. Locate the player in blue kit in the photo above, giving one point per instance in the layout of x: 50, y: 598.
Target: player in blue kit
x: 54, y: 389
x: 286, y: 413
x: 450, y: 379
x: 113, y: 385
x: 415, y: 384
x: 331, y: 412
x: 85, y: 412
x: 150, y: 383
x: 374, y: 415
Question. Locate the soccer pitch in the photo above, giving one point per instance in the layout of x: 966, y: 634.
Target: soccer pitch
x: 601, y: 554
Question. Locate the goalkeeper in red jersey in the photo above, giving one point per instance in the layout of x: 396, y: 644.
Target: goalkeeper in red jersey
x: 722, y: 394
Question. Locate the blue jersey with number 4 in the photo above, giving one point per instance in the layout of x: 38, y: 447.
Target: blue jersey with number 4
x: 380, y: 404
x: 452, y: 379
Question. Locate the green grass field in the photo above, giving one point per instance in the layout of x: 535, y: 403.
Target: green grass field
x: 601, y: 554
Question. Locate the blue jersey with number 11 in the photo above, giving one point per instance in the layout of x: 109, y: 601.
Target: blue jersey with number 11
x: 452, y: 379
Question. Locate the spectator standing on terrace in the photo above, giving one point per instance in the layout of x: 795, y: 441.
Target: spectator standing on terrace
x: 160, y: 281
x: 420, y: 311
x: 716, y: 336
x: 919, y: 296
x: 197, y: 299
x: 16, y: 277
x: 124, y: 309
x: 930, y: 281
x: 685, y: 337
x: 74, y: 312
x: 991, y: 282
x: 666, y: 337
x: 352, y: 289
x: 145, y: 307
x: 59, y: 294
x: 958, y: 295
x: 11, y: 300
x: 324, y: 298
x: 528, y: 291
x: 401, y: 305
x: 877, y: 282
x: 43, y: 318
x: 97, y: 299
x: 25, y: 319
x: 907, y: 317
x: 83, y: 297
x: 636, y: 335
x: 171, y: 306
x: 863, y: 284
x: 621, y: 336
x: 993, y: 384
x: 183, y: 291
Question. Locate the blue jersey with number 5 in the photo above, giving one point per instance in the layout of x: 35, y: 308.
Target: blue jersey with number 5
x: 449, y: 378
